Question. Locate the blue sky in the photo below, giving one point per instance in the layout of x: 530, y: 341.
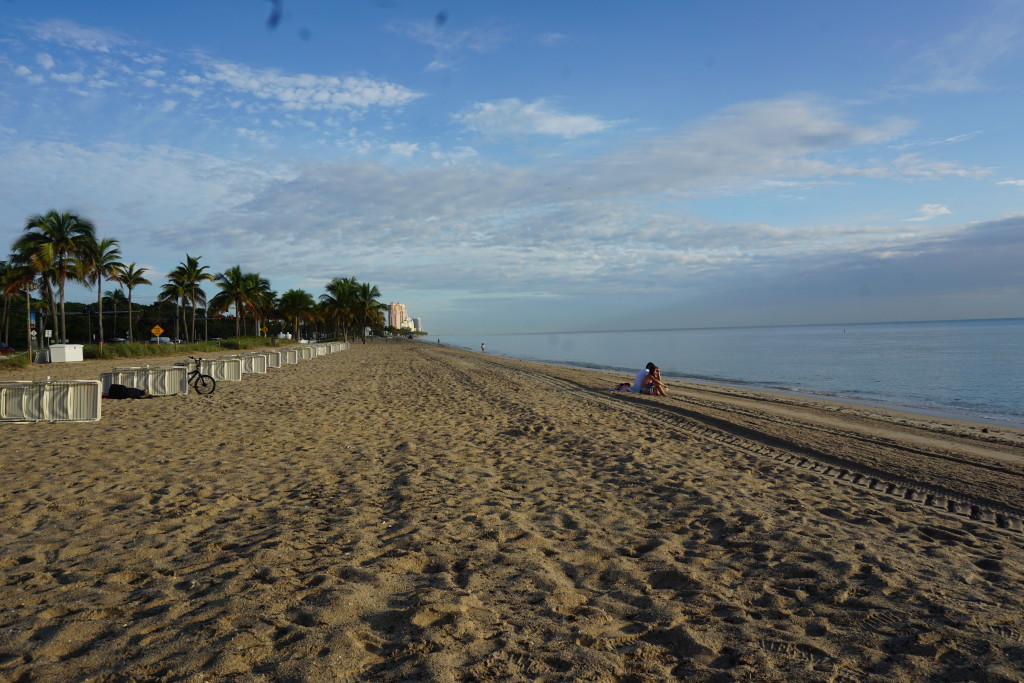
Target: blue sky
x: 539, y: 166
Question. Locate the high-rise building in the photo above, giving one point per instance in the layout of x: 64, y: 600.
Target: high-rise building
x: 417, y: 324
x: 396, y: 314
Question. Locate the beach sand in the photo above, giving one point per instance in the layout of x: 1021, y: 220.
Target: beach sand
x: 407, y: 511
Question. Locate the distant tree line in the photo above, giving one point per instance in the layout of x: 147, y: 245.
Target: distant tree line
x: 55, y: 248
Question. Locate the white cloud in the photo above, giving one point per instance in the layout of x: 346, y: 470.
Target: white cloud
x: 71, y: 34
x: 582, y: 227
x: 957, y: 61
x: 308, y: 91
x: 27, y: 74
x: 141, y: 195
x: 928, y: 212
x: 214, y: 82
x: 1016, y: 183
x: 912, y: 166
x: 453, y: 155
x: 450, y: 45
x: 743, y: 146
x: 513, y: 117
x: 551, y: 39
x: 73, y: 77
x: 939, y: 141
x: 254, y: 135
x: 405, y: 149
x: 168, y: 105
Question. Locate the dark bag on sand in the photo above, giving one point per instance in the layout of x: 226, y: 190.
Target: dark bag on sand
x: 121, y: 391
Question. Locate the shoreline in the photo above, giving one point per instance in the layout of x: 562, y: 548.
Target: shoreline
x: 964, y: 369
x: 404, y: 511
x: 923, y: 411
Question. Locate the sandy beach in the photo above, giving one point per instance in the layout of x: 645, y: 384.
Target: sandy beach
x: 408, y: 511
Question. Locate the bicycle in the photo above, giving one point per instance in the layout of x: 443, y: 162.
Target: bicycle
x: 202, y: 384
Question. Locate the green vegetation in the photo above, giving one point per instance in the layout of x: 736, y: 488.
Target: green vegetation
x: 18, y: 360
x: 137, y: 350
x: 56, y: 247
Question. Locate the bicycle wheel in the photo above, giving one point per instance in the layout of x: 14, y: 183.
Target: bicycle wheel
x: 204, y: 384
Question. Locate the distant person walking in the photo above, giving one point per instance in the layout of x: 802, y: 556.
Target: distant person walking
x: 483, y: 349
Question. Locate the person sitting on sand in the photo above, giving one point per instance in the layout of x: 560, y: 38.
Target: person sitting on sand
x: 655, y: 385
x: 641, y: 379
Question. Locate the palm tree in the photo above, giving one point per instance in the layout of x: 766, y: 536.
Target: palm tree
x: 22, y: 278
x: 294, y: 305
x: 369, y: 310
x: 37, y: 260
x: 174, y: 291
x: 55, y: 238
x: 131, y: 277
x: 190, y: 274
x: 233, y: 292
x: 30, y: 266
x: 340, y: 303
x: 115, y: 297
x: 96, y: 263
x: 6, y: 271
x: 259, y: 298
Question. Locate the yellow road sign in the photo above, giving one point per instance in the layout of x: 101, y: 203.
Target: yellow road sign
x: 157, y: 330
x: 264, y: 329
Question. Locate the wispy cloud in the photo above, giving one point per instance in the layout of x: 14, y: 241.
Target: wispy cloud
x: 742, y: 147
x: 513, y: 117
x: 404, y: 149
x: 957, y: 62
x: 593, y: 208
x: 934, y: 142
x: 551, y: 39
x: 1015, y: 183
x: 74, y: 35
x: 27, y: 74
x: 309, y: 91
x: 525, y: 221
x: 928, y: 212
x: 451, y: 46
x: 118, y: 62
x: 916, y: 167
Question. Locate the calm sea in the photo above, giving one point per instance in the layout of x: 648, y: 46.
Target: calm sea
x: 972, y: 369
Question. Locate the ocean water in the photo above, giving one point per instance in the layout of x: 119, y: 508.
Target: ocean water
x: 971, y: 369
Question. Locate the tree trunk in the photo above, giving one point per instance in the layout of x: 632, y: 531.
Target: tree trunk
x: 7, y: 320
x: 130, y: 327
x: 46, y: 294
x: 63, y: 317
x: 99, y: 313
x: 28, y: 322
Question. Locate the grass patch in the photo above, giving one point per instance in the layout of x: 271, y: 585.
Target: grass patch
x: 138, y: 350
x: 15, y: 360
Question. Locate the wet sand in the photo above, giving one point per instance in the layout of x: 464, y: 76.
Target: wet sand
x: 407, y: 511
